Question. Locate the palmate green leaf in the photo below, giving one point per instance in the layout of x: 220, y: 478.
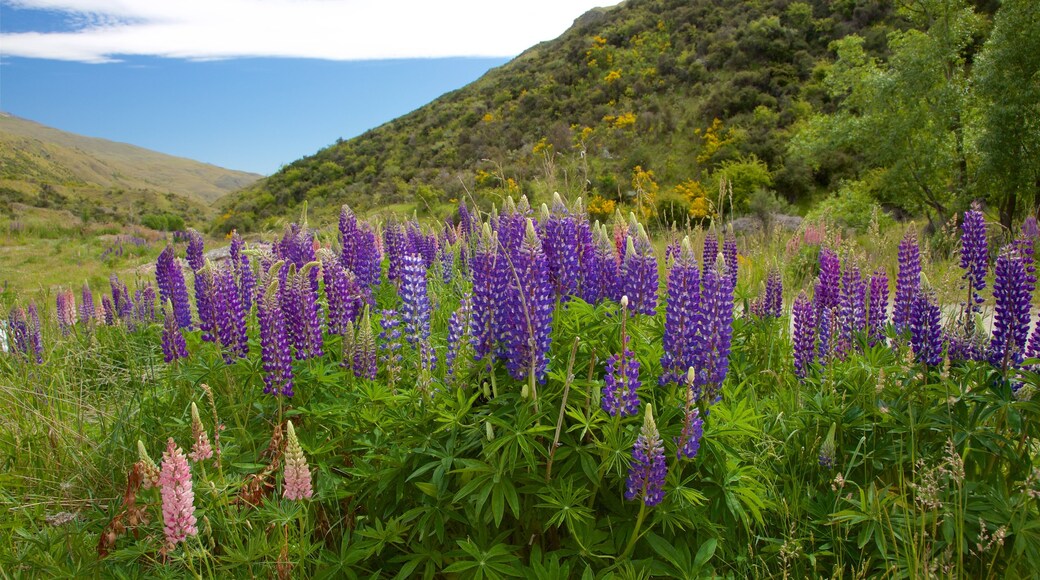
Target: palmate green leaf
x: 567, y: 505
x: 498, y: 561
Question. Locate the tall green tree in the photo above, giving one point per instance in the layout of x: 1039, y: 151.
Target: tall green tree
x: 905, y: 118
x: 1007, y: 80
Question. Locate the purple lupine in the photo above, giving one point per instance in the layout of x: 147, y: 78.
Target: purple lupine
x: 144, y: 304
x: 852, y: 309
x: 173, y: 345
x: 231, y: 317
x: 714, y: 332
x: 122, y: 306
x: 489, y: 269
x: 421, y: 243
x: 527, y: 312
x: 195, y: 250
x: 1030, y: 228
x: 908, y: 281
x: 395, y: 241
x: 621, y: 383
x: 205, y: 303
x: 86, y: 307
x: 925, y: 330
x: 974, y: 254
x: 390, y: 345
x: 689, y: 440
x: 310, y: 341
x: 588, y: 265
x: 710, y: 253
x: 446, y: 258
x: 829, y: 290
x: 600, y: 275
x: 774, y: 297
x: 1033, y: 347
x: 560, y: 243
x: 680, y: 313
x: 465, y: 219
x: 363, y: 357
x: 18, y: 331
x: 34, y: 334
x: 415, y: 300
x: 825, y: 335
x: 804, y: 334
x: 877, y: 308
x: 459, y: 338
x: 274, y: 342
x: 108, y: 311
x: 243, y: 271
x: 729, y: 255
x: 170, y: 279
x: 639, y: 279
x: 1012, y: 296
x: 342, y: 294
x: 647, y: 472
x: 66, y: 309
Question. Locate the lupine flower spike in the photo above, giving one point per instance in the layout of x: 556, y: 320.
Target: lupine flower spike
x: 622, y: 379
x: 297, y: 476
x: 689, y: 441
x: 200, y: 448
x: 648, y: 470
x: 178, y: 498
x: 827, y: 450
x: 150, y: 469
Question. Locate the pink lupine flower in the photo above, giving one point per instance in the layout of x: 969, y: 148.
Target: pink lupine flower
x: 178, y: 499
x: 200, y: 449
x: 297, y: 479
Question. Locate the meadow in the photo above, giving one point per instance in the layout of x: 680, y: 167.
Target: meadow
x: 525, y: 393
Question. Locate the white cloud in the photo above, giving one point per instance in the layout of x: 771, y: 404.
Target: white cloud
x: 103, y: 30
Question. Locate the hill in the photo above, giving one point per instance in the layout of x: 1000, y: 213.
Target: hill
x: 97, y: 179
x: 685, y: 91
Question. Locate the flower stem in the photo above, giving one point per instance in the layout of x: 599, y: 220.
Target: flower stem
x: 635, y: 530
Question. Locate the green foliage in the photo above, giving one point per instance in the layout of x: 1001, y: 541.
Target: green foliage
x: 166, y: 222
x: 852, y: 207
x: 742, y: 178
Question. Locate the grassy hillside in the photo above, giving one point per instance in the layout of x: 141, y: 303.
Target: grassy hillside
x: 99, y: 180
x: 688, y: 92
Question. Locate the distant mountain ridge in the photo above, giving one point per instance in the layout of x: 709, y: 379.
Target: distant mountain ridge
x: 30, y: 151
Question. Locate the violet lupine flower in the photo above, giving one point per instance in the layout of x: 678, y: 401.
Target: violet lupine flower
x: 681, y: 311
x: 122, y: 306
x: 621, y: 384
x: 19, y: 331
x: 1033, y: 347
x: 363, y: 359
x: 274, y: 343
x: 201, y: 449
x: 825, y: 331
x: 396, y: 242
x: 243, y: 271
x: 86, y: 307
x: 689, y: 440
x: 231, y: 317
x: 66, y: 309
x: 714, y: 331
x: 588, y: 266
x: 560, y: 243
x: 647, y: 472
x: 343, y: 297
x: 490, y: 281
x: 204, y: 303
x: 639, y: 278
x: 195, y: 251
x: 829, y: 290
x: 1012, y: 296
x: 465, y: 219
x: 1030, y: 228
x: 511, y: 225
x: 296, y: 480
x: 600, y: 271
x: 390, y: 345
x: 170, y: 279
x: 425, y: 245
x: 710, y: 253
x: 925, y: 330
x: 877, y: 308
x: 446, y: 259
x: 527, y: 312
x: 178, y: 498
x: 908, y: 281
x: 974, y: 254
x: 108, y: 311
x: 311, y: 339
x: 144, y: 301
x: 774, y: 297
x: 804, y: 338
x: 35, y: 333
x: 852, y: 309
x: 173, y: 345
x: 459, y: 338
x: 729, y: 255
x: 415, y: 301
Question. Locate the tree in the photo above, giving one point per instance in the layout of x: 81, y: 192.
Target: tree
x: 1008, y: 89
x: 906, y: 118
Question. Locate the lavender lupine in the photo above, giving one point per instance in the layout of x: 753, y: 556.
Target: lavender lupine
x: 178, y: 498
x: 170, y: 279
x: 122, y: 305
x: 66, y: 310
x: 908, y: 281
x: 639, y: 278
x: 19, y: 331
x: 681, y: 311
x: 363, y: 358
x: 296, y: 480
x: 714, y: 331
x: 560, y: 243
x: 466, y: 221
x: 415, y: 300
x: 243, y: 271
x: 511, y: 225
x: 710, y: 253
x: 647, y: 472
x: 274, y: 342
x: 1033, y: 347
x: 774, y: 297
x: 390, y: 345
x: 621, y: 383
x: 926, y: 330
x: 342, y: 294
x: 974, y: 255
x: 852, y: 309
x: 490, y: 281
x: 173, y: 345
x: 829, y: 289
x: 311, y: 344
x: 729, y: 255
x: 877, y: 307
x: 108, y: 311
x: 203, y: 285
x: 86, y: 307
x: 528, y: 311
x: 231, y: 317
x: 395, y: 241
x: 600, y: 271
x: 459, y: 339
x: 144, y: 304
x: 689, y: 440
x: 825, y: 335
x: 804, y: 338
x: 1011, y: 294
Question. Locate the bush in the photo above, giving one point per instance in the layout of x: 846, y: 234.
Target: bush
x: 851, y: 207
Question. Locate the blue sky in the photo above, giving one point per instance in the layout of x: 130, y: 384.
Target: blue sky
x: 251, y: 84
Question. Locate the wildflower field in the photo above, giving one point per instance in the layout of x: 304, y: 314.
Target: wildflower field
x: 524, y: 394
